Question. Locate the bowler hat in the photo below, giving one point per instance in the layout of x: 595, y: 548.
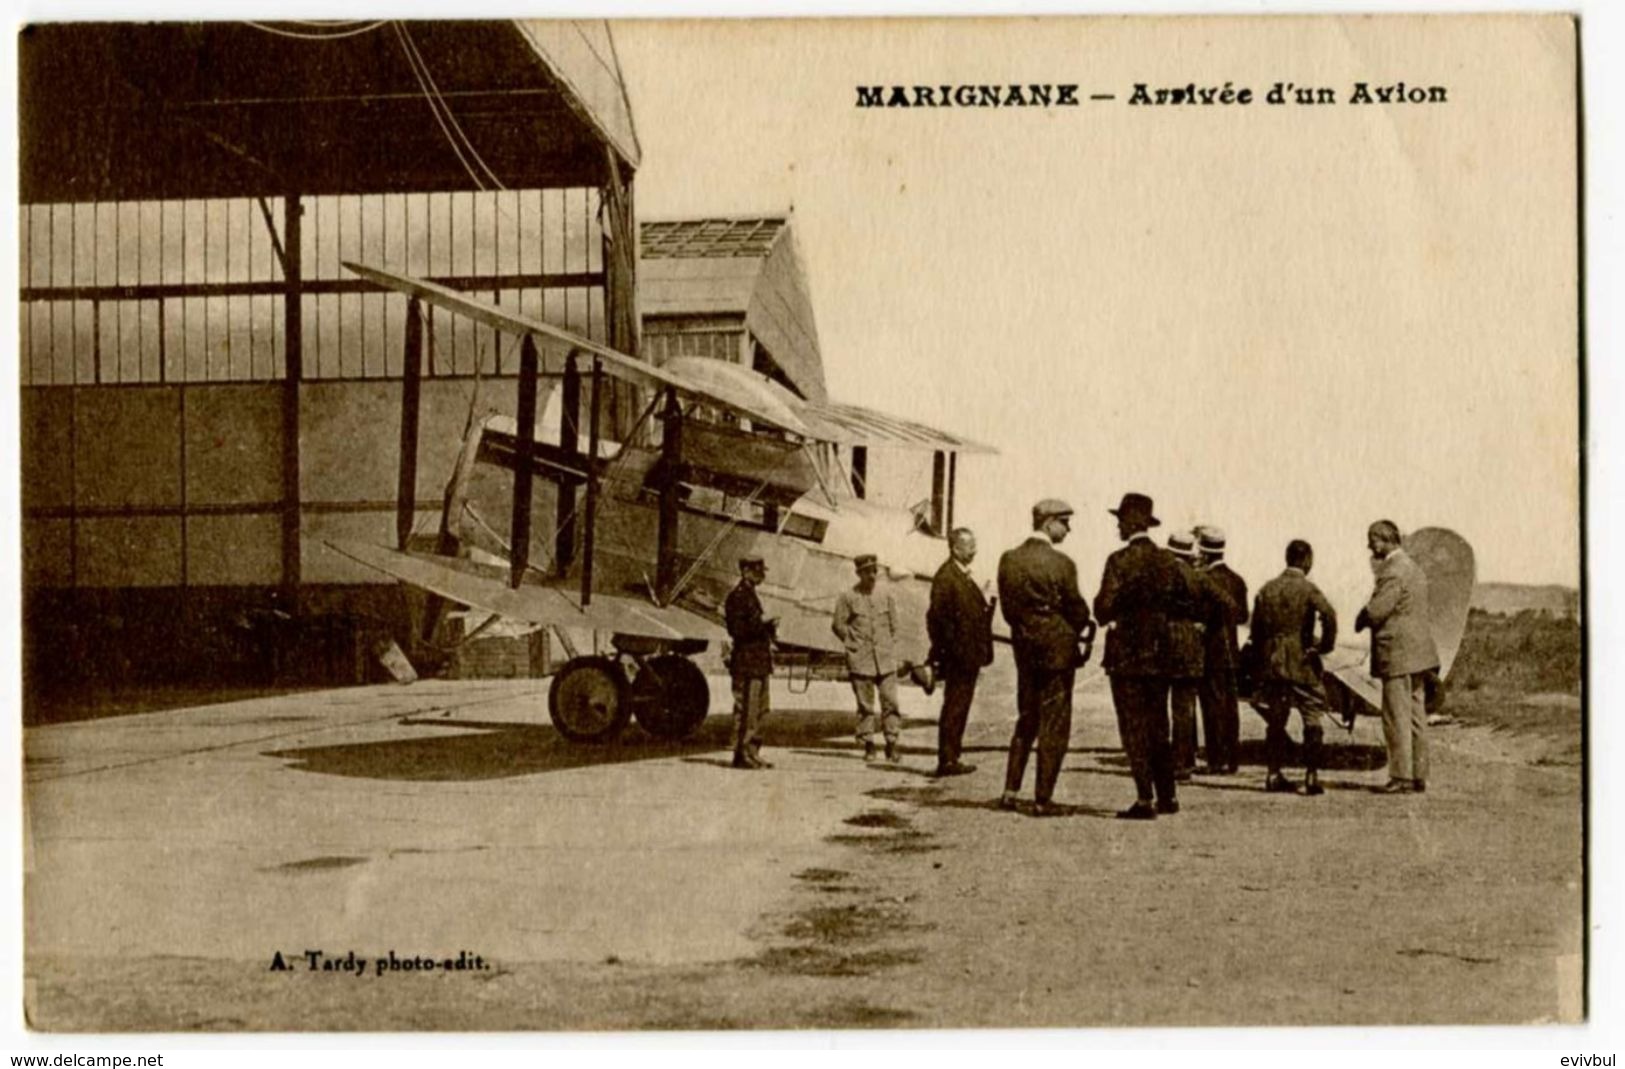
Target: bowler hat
x: 865, y: 560
x: 1136, y: 507
x: 1051, y: 507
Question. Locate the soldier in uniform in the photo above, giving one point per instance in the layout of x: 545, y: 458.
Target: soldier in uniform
x: 1141, y: 589
x: 1038, y: 586
x: 1289, y: 663
x: 865, y: 621
x: 1186, y: 657
x: 751, y: 662
x: 1221, y: 720
x: 960, y: 623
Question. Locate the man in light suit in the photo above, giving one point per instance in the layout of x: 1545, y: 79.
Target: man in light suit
x: 1038, y: 586
x: 1403, y: 655
x: 960, y: 623
x: 865, y: 620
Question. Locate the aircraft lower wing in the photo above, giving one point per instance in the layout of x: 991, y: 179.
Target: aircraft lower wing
x: 480, y: 586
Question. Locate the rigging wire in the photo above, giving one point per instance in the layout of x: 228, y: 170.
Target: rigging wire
x: 426, y: 82
x: 338, y: 36
x: 406, y: 45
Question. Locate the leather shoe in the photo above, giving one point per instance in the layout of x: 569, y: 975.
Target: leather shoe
x: 1395, y: 786
x: 869, y: 751
x: 958, y: 768
x: 1046, y: 809
x: 1008, y: 801
x: 1279, y: 784
x: 744, y: 763
x: 1170, y: 807
x: 894, y: 752
x: 1420, y: 786
x: 1311, y: 784
x: 1138, y: 811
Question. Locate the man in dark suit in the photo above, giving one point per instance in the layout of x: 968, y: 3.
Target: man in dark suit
x: 1221, y: 719
x: 1038, y: 586
x: 1141, y: 589
x: 1289, y: 663
x: 1187, y: 646
x: 751, y: 662
x: 960, y: 623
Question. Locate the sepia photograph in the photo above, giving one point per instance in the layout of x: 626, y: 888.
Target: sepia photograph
x: 538, y: 526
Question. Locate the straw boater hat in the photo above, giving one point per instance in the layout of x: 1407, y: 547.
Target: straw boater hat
x: 1210, y: 539
x: 1182, y: 543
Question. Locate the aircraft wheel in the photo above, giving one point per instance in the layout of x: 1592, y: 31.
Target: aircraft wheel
x: 588, y: 700
x: 670, y: 697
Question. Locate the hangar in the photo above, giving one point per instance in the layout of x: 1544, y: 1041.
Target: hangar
x: 206, y: 393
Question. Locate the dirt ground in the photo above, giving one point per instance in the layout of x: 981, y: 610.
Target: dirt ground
x: 887, y: 899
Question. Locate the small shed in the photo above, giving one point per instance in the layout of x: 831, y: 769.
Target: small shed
x: 731, y: 289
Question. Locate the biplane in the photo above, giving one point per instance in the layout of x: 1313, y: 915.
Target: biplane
x: 640, y: 538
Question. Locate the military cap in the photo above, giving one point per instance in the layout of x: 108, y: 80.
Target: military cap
x: 1136, y: 506
x: 750, y: 559
x: 865, y: 560
x: 1182, y: 543
x: 1051, y: 507
x: 1210, y: 539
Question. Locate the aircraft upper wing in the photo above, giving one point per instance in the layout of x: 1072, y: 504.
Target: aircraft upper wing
x: 757, y: 405
x: 472, y: 584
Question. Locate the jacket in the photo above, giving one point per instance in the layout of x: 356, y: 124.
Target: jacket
x: 1140, y: 590
x: 1221, y: 633
x: 1284, y: 629
x: 866, y: 624
x: 959, y: 622
x: 1187, y: 627
x: 1038, y: 590
x: 752, y: 636
x: 1401, y: 634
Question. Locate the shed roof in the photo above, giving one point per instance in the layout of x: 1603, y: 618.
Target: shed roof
x: 127, y: 111
x: 746, y: 266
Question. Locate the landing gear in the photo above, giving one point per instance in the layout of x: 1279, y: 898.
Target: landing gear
x: 588, y: 700
x: 670, y: 697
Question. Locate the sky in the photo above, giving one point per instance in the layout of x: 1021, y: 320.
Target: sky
x: 1289, y: 321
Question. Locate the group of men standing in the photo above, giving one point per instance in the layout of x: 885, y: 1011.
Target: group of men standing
x: 1172, y: 614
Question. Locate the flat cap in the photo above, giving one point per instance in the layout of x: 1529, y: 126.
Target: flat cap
x: 750, y: 559
x: 1049, y: 507
x: 865, y: 560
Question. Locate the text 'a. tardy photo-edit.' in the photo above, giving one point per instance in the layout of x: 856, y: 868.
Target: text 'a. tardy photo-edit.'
x: 550, y: 526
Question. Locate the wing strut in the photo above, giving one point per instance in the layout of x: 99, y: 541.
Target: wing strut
x: 523, y: 473
x: 411, y: 394
x: 592, y: 482
x: 564, y: 533
x: 671, y: 450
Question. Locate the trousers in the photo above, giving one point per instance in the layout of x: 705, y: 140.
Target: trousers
x: 959, y: 690
x: 1182, y: 698
x: 1044, y: 718
x: 1404, y: 726
x: 1142, y: 723
x: 1221, y: 719
x: 866, y: 689
x: 751, y: 707
x: 1280, y: 698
